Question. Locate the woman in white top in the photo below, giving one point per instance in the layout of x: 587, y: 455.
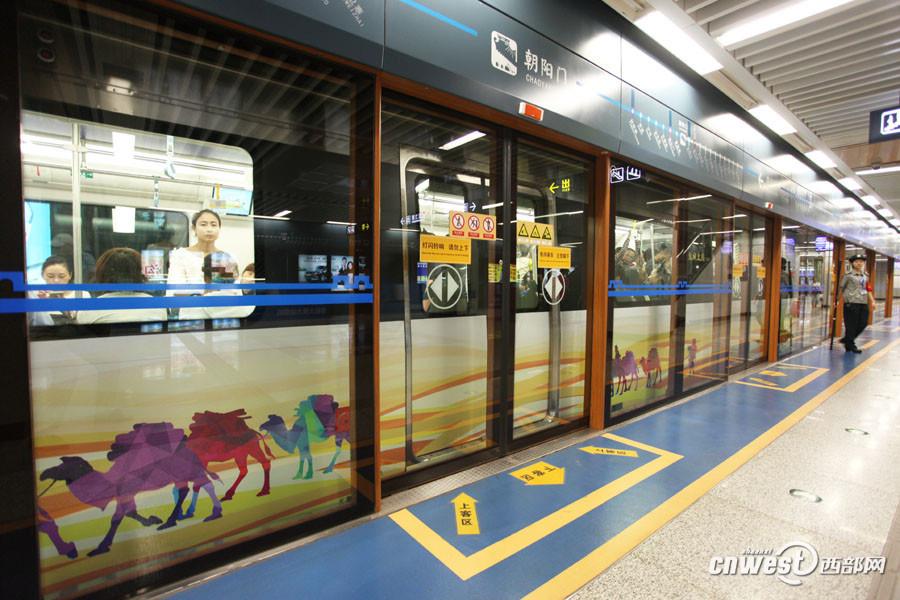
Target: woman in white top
x: 218, y: 267
x: 120, y: 265
x: 54, y: 271
x: 186, y: 264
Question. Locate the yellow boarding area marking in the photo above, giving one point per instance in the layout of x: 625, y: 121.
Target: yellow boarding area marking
x: 814, y: 373
x: 466, y: 515
x: 540, y: 473
x: 610, y: 451
x: 868, y: 344
x: 601, y: 558
x: 466, y: 567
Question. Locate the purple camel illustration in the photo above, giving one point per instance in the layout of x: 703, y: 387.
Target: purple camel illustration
x: 319, y: 418
x: 629, y: 369
x: 47, y: 525
x: 619, y: 374
x: 149, y: 457
x: 654, y: 367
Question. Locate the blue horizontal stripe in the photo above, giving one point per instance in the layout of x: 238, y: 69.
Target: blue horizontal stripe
x: 627, y: 293
x: 440, y: 16
x: 171, y: 287
x: 29, y: 305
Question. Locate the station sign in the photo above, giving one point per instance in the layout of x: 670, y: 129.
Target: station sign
x: 436, y: 249
x: 472, y: 225
x: 554, y: 257
x: 884, y: 125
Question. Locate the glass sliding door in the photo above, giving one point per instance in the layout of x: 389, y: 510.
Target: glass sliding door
x: 439, y: 308
x: 748, y: 304
x: 201, y: 315
x: 552, y: 207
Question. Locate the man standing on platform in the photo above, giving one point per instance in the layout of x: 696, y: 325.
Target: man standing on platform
x: 857, y: 294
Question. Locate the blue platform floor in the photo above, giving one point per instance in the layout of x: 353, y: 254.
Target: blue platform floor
x: 547, y: 527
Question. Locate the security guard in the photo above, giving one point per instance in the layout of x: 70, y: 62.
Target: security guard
x: 857, y: 294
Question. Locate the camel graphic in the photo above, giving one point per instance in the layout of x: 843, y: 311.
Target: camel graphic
x: 626, y: 371
x: 319, y: 418
x: 149, y: 457
x: 47, y: 525
x: 651, y: 366
x: 221, y: 437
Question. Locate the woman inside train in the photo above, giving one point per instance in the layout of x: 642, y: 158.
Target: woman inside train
x: 120, y: 266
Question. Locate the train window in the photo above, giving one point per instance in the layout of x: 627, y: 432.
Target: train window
x: 198, y: 242
x: 136, y: 190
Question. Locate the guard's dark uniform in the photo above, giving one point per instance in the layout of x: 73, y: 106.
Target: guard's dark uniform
x: 855, y: 291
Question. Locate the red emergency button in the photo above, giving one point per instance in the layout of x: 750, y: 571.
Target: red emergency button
x: 531, y: 111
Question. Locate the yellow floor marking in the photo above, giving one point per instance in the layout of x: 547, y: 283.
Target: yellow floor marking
x: 466, y: 515
x: 798, y: 367
x: 769, y: 385
x: 597, y: 561
x: 610, y: 451
x: 466, y: 567
x: 764, y: 382
x: 868, y: 344
x: 540, y: 473
x: 772, y: 373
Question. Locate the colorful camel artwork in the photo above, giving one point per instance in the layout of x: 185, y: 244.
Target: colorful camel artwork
x: 652, y: 367
x: 222, y: 437
x: 151, y: 456
x: 319, y: 418
x: 47, y: 526
x: 626, y: 371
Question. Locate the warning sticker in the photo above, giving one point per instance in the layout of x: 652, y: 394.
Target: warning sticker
x: 472, y: 225
x: 454, y: 251
x: 554, y: 257
x: 535, y: 233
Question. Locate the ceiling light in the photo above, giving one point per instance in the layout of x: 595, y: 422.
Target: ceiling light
x: 821, y: 159
x: 495, y: 205
x: 283, y: 213
x: 895, y: 222
x: 472, y: 135
x: 850, y: 183
x: 123, y: 145
x: 879, y: 170
x: 845, y: 202
x: 422, y: 185
x: 885, y: 212
x: 791, y: 227
x: 680, y: 199
x: 679, y: 43
x: 772, y: 119
x: 339, y: 223
x: 870, y: 200
x: 776, y: 19
x: 824, y: 187
x: 788, y: 165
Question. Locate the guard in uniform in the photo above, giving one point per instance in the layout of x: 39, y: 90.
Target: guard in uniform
x: 857, y: 294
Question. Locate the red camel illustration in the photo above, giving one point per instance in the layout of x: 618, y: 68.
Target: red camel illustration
x: 221, y: 437
x: 149, y: 457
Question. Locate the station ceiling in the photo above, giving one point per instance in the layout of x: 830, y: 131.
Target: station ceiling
x: 828, y: 70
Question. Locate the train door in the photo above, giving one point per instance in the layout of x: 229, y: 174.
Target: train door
x: 483, y: 312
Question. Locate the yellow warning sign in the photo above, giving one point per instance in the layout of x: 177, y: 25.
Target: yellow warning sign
x: 737, y: 270
x: 495, y: 272
x: 535, y: 233
x: 466, y: 515
x: 761, y: 272
x: 610, y: 451
x: 513, y: 274
x: 541, y: 473
x: 554, y: 257
x: 434, y: 249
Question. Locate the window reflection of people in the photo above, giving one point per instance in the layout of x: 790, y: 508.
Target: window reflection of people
x: 186, y: 264
x: 63, y: 245
x: 120, y: 265
x: 343, y: 270
x: 629, y: 266
x: 218, y: 268
x: 248, y: 276
x: 54, y: 271
x: 662, y: 265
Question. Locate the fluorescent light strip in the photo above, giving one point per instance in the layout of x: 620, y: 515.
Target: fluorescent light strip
x: 772, y: 119
x: 850, y: 183
x: 680, y: 199
x: 870, y: 200
x: 679, y: 43
x: 776, y: 19
x: 559, y: 214
x: 283, y: 213
x: 821, y: 159
x: 472, y: 135
x: 790, y: 227
x: 402, y: 229
x: 487, y: 206
x: 339, y: 223
x: 270, y: 218
x: 740, y: 216
x: 879, y: 170
x: 694, y: 221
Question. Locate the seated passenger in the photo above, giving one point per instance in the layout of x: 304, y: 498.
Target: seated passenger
x: 54, y: 271
x: 218, y: 267
x: 120, y: 265
x: 248, y: 275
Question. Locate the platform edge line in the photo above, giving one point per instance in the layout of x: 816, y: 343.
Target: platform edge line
x: 598, y: 560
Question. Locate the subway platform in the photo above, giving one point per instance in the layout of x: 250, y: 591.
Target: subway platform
x: 781, y: 483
